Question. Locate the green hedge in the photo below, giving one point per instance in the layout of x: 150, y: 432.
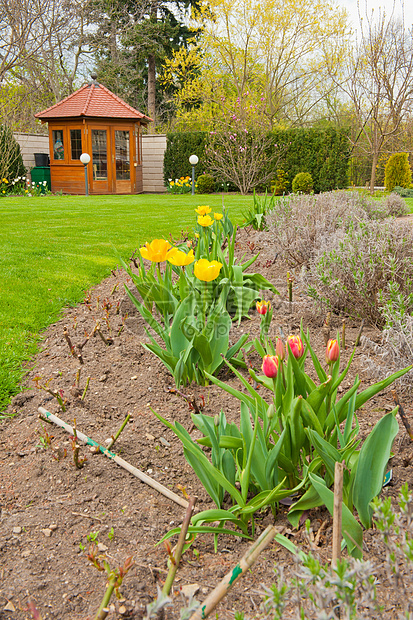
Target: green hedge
x: 11, y: 161
x: 179, y: 147
x: 322, y: 153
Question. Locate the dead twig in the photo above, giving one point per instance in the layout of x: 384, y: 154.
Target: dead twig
x: 403, y: 415
x: 86, y: 516
x: 357, y: 340
x: 179, y: 547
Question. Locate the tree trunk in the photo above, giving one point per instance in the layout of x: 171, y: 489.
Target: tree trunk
x: 151, y: 91
x: 373, y: 171
x: 152, y: 74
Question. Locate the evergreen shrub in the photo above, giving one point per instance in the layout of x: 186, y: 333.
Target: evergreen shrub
x: 397, y: 171
x: 205, y: 184
x: 302, y: 183
x: 11, y: 161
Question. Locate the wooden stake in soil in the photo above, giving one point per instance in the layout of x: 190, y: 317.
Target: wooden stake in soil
x: 403, y: 415
x: 179, y: 547
x: 337, y: 514
x: 114, y: 457
x: 236, y: 573
x: 357, y: 341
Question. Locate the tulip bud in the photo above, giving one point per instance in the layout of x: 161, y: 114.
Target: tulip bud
x: 332, y: 351
x: 270, y: 366
x: 263, y: 307
x: 296, y: 346
x: 279, y: 350
x: 216, y: 420
x: 270, y: 412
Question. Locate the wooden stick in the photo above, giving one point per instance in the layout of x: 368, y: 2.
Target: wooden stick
x: 114, y: 457
x: 337, y: 514
x: 86, y: 516
x: 232, y: 577
x: 403, y: 415
x: 179, y: 547
x: 357, y: 341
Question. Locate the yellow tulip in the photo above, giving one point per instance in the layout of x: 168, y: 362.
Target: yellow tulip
x: 218, y: 216
x: 203, y: 210
x: 156, y: 251
x: 205, y: 220
x: 180, y: 259
x: 206, y: 270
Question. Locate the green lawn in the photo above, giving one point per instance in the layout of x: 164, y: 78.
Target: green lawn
x: 409, y: 202
x: 53, y: 248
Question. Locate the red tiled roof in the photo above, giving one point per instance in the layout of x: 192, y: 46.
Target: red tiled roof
x: 92, y: 100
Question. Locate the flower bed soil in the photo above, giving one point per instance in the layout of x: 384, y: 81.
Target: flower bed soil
x: 48, y: 506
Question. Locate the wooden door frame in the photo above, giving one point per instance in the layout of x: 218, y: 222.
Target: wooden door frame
x: 96, y: 187
x: 129, y: 128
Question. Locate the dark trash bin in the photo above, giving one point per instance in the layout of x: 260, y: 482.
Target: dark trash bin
x: 41, y: 160
x: 41, y: 174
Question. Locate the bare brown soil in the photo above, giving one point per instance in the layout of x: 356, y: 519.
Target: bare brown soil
x: 48, y: 506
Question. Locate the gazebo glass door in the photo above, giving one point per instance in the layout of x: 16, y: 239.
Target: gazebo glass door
x: 100, y: 171
x: 123, y: 173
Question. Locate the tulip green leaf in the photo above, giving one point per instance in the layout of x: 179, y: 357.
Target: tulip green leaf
x: 372, y: 463
x: 350, y: 529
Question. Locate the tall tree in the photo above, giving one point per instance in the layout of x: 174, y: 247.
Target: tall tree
x: 273, y: 48
x: 379, y: 84
x: 41, y: 45
x: 132, y: 40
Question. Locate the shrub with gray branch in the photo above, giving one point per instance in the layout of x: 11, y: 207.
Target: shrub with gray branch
x: 301, y: 224
x: 355, y: 271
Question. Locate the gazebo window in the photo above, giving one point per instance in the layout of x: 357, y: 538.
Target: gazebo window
x: 99, y: 155
x: 58, y: 144
x: 75, y: 143
x: 122, y: 155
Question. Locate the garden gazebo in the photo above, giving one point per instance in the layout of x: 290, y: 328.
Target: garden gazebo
x: 94, y: 120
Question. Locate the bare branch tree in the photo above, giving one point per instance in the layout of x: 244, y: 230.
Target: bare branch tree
x: 380, y: 84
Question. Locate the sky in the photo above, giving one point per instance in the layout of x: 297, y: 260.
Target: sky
x: 386, y: 5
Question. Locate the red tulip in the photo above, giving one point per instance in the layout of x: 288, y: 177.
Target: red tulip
x: 279, y: 349
x: 270, y: 366
x: 332, y: 351
x: 263, y: 307
x: 296, y: 346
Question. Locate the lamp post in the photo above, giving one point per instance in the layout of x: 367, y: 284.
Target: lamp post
x: 193, y: 160
x: 85, y: 159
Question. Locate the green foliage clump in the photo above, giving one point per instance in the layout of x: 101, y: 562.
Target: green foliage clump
x: 397, y: 171
x: 302, y: 183
x: 404, y: 192
x: 180, y: 146
x: 322, y: 153
x: 279, y: 185
x: 205, y: 184
x: 11, y: 161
